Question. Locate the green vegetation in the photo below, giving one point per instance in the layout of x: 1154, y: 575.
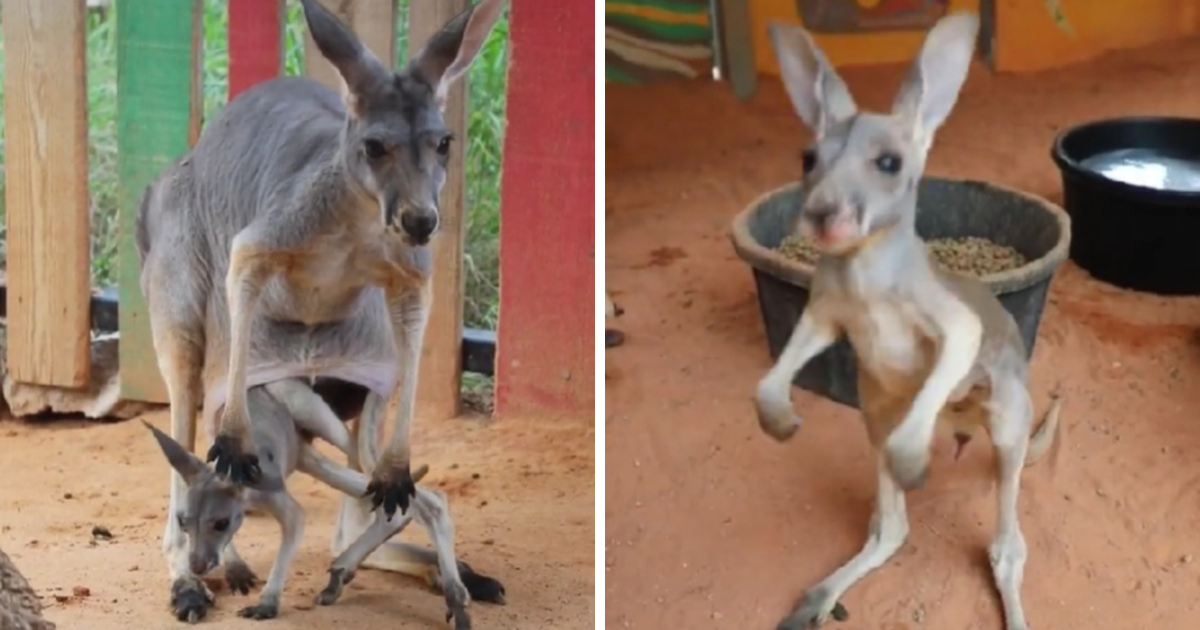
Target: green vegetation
x: 487, y: 85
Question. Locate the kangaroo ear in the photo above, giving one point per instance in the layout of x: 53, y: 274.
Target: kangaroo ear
x: 448, y: 54
x: 818, y: 94
x: 937, y: 75
x: 185, y: 463
x: 359, y: 68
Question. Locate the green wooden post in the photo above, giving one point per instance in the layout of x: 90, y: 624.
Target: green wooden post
x: 158, y: 116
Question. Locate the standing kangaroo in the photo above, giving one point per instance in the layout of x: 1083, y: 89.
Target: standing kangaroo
x: 931, y: 346
x: 291, y: 241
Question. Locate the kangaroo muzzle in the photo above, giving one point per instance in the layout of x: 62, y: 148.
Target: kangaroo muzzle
x: 202, y: 564
x: 419, y: 225
x: 831, y: 226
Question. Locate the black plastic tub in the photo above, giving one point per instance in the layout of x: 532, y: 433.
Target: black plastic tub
x: 1133, y: 236
x: 1038, y: 229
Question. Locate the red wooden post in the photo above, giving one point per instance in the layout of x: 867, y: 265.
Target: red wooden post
x: 546, y: 340
x: 255, y: 42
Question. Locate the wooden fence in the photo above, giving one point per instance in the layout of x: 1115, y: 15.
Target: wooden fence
x: 547, y: 333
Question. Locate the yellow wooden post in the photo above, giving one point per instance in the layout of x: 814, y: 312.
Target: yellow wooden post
x: 46, y: 180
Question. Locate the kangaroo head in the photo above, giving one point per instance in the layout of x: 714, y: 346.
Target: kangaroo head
x: 396, y: 144
x: 862, y: 169
x: 214, y: 508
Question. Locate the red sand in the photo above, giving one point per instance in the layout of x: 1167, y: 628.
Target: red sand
x: 711, y: 524
x: 521, y: 492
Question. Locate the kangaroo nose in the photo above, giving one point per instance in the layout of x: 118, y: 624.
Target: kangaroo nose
x: 200, y: 565
x: 419, y: 225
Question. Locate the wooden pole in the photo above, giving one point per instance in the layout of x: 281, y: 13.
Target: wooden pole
x: 255, y: 43
x: 374, y: 21
x: 315, y: 65
x: 46, y: 180
x: 158, y: 118
x: 546, y: 341
x: 440, y: 385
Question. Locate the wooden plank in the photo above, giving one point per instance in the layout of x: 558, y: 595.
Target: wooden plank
x: 315, y: 65
x: 255, y: 43
x: 374, y: 21
x: 440, y: 385
x: 547, y: 335
x: 46, y: 178
x: 157, y: 119
x: 737, y: 47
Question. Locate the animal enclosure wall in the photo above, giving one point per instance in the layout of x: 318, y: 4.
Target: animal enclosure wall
x: 851, y: 32
x: 1019, y: 35
x: 547, y: 334
x: 46, y: 192
x: 1029, y: 37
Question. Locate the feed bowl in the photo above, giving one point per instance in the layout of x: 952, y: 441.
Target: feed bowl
x: 1132, y: 189
x: 946, y: 208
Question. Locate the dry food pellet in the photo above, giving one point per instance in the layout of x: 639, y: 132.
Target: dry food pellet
x: 970, y: 255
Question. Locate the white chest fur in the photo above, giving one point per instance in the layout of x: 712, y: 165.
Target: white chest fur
x: 888, y: 337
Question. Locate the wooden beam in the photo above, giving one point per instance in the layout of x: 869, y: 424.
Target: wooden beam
x: 546, y: 342
x: 255, y: 43
x: 374, y: 21
x: 440, y: 385
x: 158, y: 117
x: 732, y: 26
x: 46, y: 180
x: 315, y: 65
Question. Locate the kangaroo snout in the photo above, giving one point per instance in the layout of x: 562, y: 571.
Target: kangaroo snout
x: 419, y: 224
x: 202, y: 564
x: 831, y: 225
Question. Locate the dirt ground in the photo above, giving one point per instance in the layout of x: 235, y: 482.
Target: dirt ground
x: 711, y: 524
x: 522, y: 492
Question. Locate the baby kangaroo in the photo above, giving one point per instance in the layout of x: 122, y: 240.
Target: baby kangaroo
x: 292, y: 415
x: 930, y: 345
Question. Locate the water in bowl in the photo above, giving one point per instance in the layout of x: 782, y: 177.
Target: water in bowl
x: 1147, y: 168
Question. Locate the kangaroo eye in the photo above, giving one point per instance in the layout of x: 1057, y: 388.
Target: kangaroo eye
x: 221, y: 525
x: 374, y: 149
x: 443, y: 147
x: 889, y: 163
x: 808, y: 160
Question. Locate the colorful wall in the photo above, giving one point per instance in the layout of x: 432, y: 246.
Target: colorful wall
x: 1030, y: 38
x: 1028, y: 34
x: 852, y: 32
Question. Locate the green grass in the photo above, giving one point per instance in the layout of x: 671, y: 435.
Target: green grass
x: 487, y: 85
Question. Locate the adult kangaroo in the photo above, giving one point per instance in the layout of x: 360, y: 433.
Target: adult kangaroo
x: 291, y: 241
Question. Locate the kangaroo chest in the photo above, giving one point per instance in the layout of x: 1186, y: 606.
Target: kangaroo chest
x: 892, y: 340
x: 319, y: 287
x: 896, y: 346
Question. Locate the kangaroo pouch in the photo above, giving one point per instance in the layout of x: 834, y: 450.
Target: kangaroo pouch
x: 358, y: 349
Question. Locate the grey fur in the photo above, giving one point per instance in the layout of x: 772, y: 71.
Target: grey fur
x: 278, y: 247
x: 215, y: 507
x: 932, y: 347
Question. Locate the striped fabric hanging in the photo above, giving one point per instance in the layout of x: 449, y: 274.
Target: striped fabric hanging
x: 648, y: 40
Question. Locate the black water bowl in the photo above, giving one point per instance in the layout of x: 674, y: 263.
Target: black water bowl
x: 1038, y: 229
x: 1132, y: 228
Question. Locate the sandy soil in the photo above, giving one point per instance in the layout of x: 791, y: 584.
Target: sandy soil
x: 521, y: 490
x: 710, y: 524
